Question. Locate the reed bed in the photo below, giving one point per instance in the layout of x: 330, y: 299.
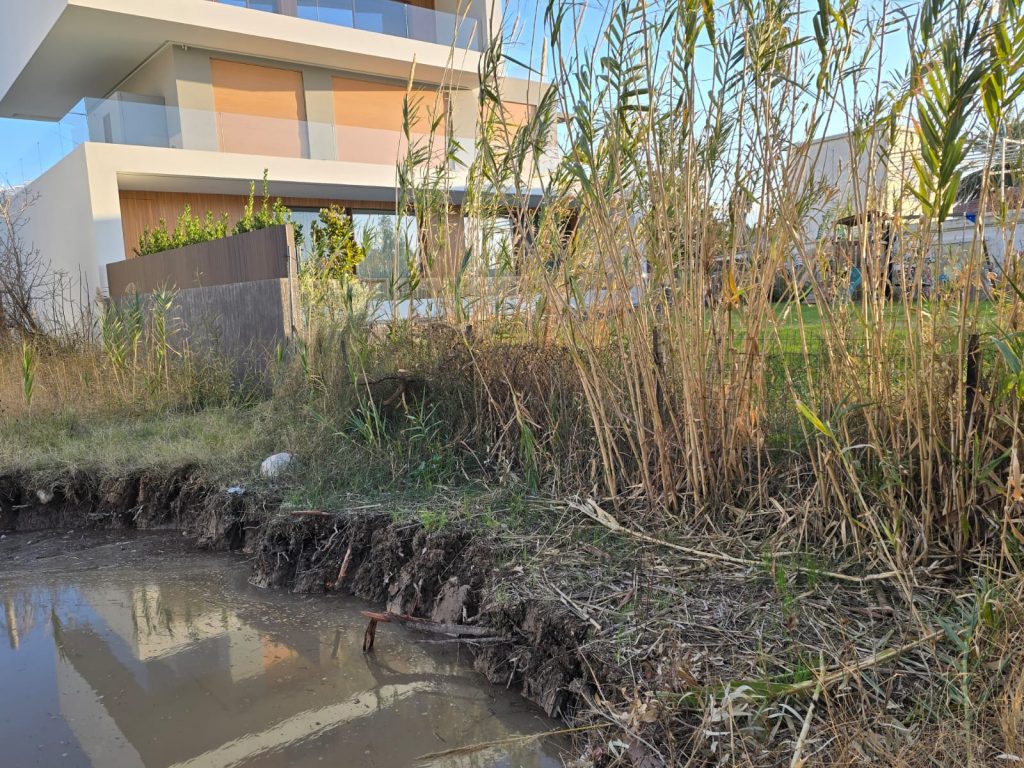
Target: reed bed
x: 691, y: 328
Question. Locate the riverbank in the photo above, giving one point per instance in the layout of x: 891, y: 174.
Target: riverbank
x: 676, y: 650
x: 448, y: 575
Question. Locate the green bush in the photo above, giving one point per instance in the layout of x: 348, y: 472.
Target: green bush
x: 335, y: 252
x: 269, y: 214
x: 190, y: 230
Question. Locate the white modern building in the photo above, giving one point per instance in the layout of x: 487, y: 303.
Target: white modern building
x: 859, y: 185
x: 175, y: 102
x: 856, y: 176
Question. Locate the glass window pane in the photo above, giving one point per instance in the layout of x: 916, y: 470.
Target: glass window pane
x: 305, y: 218
x: 339, y: 12
x: 381, y: 16
x: 390, y: 241
x: 498, y: 236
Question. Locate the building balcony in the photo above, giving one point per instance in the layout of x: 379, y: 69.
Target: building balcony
x: 54, y: 52
x: 387, y: 17
x: 135, y: 121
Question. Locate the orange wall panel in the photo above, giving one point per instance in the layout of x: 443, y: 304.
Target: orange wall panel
x: 260, y: 110
x: 369, y: 121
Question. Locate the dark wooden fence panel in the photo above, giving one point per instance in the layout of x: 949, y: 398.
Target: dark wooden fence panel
x: 265, y: 254
x: 241, y: 321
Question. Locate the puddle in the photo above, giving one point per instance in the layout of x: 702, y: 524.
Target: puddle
x: 177, y: 661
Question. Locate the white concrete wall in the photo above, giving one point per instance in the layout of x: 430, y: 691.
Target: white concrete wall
x: 855, y: 178
x: 61, y: 226
x: 23, y: 27
x: 156, y: 78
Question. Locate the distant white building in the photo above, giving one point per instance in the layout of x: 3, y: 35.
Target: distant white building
x: 860, y: 188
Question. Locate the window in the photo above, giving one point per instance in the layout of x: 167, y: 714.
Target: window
x: 391, y: 243
x: 497, y: 246
x: 501, y: 244
x: 304, y: 218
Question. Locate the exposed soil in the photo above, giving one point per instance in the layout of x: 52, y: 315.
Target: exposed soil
x: 439, y: 575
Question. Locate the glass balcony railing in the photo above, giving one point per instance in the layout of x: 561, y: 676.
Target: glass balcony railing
x: 135, y: 121
x: 387, y: 17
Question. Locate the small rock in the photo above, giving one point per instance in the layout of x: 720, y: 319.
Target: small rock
x: 45, y: 497
x: 273, y: 466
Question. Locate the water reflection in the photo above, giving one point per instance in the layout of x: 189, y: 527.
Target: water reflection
x: 175, y: 667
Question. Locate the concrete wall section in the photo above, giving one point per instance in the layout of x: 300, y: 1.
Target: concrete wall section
x: 195, y: 99
x: 60, y: 225
x: 320, y: 114
x: 24, y: 27
x: 157, y: 77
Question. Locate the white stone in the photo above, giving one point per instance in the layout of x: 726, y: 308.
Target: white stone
x: 273, y: 466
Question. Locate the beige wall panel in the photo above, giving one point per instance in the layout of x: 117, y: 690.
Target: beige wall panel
x: 260, y: 110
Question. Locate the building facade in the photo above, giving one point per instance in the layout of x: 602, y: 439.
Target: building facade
x: 186, y: 102
x: 861, y: 202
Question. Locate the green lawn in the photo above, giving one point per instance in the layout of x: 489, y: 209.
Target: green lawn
x: 221, y: 440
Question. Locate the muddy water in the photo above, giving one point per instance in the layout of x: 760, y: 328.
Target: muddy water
x: 124, y: 655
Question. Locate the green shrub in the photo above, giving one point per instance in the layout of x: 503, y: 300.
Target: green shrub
x: 269, y: 214
x: 188, y: 230
x: 191, y: 230
x: 335, y: 251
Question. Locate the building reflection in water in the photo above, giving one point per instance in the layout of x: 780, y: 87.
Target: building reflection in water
x: 179, y: 670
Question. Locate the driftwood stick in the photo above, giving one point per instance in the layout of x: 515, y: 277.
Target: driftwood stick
x: 343, y: 571
x: 436, y: 627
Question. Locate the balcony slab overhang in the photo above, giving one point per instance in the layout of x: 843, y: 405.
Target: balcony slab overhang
x: 52, y: 52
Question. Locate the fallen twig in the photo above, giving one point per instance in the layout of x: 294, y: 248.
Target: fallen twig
x: 592, y: 510
x: 424, y: 625
x: 798, y: 761
x: 572, y: 606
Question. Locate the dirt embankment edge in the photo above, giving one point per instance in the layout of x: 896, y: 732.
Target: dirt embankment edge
x: 448, y: 575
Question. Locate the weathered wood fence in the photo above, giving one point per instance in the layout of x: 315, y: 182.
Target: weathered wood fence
x: 237, y: 297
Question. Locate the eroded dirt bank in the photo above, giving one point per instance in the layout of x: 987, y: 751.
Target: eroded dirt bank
x: 450, y: 575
